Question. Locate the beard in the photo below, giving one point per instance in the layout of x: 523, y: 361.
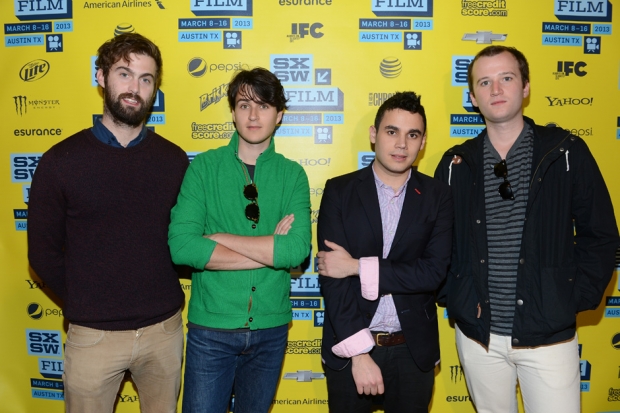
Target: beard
x: 124, y: 115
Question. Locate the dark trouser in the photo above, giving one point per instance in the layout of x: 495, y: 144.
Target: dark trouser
x: 407, y: 388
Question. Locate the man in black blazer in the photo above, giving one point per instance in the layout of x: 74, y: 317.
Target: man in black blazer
x: 384, y: 237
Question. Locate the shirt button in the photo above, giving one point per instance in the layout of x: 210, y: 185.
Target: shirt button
x: 522, y: 261
x: 251, y: 319
x: 477, y: 221
x: 519, y: 302
x: 515, y: 341
x: 482, y: 261
x: 253, y: 288
x: 253, y: 226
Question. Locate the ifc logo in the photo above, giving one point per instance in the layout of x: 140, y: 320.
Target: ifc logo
x: 124, y: 28
x: 35, y: 311
x: 197, y: 67
x: 390, y: 67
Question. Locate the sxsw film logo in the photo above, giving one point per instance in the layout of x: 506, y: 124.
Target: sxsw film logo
x: 43, y: 343
x: 612, y: 307
x: 419, y: 8
x: 292, y: 69
x: 323, y: 134
x: 582, y: 10
x: 565, y: 68
x: 319, y: 318
x: 34, y: 70
x: 459, y: 69
x: 23, y: 166
x: 301, y: 30
x: 53, y: 43
x: 43, y: 9
x: 413, y: 41
x: 221, y: 7
x: 232, y: 40
x: 585, y: 371
x: 364, y: 159
x: 592, y: 44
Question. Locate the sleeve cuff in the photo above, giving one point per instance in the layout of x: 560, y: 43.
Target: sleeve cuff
x: 358, y: 343
x: 369, y: 277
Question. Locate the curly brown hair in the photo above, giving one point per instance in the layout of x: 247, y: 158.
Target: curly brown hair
x: 120, y: 47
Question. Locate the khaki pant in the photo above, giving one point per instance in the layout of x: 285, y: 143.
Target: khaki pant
x: 96, y: 362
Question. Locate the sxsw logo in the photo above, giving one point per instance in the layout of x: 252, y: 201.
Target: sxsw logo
x: 301, y: 30
x: 565, y: 68
x: 364, y: 159
x: 221, y: 7
x: 23, y: 166
x: 459, y: 69
x: 43, y: 343
x: 43, y: 9
x: 418, y: 8
x: 292, y: 69
x: 51, y: 368
x: 582, y: 10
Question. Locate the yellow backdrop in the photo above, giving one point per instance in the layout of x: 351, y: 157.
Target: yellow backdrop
x: 339, y: 60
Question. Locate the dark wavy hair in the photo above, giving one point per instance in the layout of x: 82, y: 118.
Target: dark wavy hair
x: 258, y: 85
x: 408, y: 101
x: 121, y: 46
x: 491, y: 51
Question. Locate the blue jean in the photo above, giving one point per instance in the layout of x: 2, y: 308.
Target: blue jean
x: 216, y: 361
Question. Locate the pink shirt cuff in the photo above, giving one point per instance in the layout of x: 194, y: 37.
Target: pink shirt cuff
x: 358, y: 343
x: 369, y: 277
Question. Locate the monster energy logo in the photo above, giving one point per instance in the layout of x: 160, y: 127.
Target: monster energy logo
x: 21, y: 106
x: 456, y: 373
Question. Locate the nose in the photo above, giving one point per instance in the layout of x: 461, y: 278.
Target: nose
x: 134, y: 86
x: 495, y: 88
x: 401, y: 141
x: 253, y: 113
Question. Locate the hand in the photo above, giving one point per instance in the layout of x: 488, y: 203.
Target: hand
x: 367, y: 375
x: 284, y: 225
x: 337, y: 263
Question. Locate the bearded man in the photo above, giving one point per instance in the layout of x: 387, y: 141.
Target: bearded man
x: 99, y: 211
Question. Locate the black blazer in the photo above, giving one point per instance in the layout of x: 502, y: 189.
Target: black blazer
x: 412, y: 272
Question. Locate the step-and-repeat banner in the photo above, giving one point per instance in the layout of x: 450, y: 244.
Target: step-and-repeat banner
x: 338, y: 60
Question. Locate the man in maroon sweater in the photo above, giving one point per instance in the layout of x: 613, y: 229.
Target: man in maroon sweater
x: 99, y: 211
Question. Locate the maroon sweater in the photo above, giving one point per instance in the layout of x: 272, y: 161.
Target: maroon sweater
x: 98, y: 229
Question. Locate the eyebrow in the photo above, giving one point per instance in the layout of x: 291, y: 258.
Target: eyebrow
x: 500, y: 74
x: 126, y: 68
x: 396, y: 128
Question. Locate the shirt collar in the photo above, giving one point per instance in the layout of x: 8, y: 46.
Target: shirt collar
x: 104, y: 135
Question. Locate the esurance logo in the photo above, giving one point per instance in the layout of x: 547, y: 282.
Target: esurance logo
x: 582, y: 10
x: 34, y: 70
x: 402, y: 8
x: 221, y: 7
x: 43, y: 9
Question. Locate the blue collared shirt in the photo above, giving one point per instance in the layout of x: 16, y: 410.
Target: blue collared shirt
x: 104, y: 135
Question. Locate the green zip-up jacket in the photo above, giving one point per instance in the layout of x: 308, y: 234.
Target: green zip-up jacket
x: 211, y: 201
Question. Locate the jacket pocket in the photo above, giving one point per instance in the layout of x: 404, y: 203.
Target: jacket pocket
x: 558, y: 298
x: 462, y: 300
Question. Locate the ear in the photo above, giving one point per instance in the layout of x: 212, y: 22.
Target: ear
x: 423, y: 141
x: 100, y: 78
x: 473, y: 99
x: 526, y: 90
x: 280, y: 114
x: 232, y: 112
x: 373, y: 134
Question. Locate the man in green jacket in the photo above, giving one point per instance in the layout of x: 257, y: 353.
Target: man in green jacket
x: 241, y: 221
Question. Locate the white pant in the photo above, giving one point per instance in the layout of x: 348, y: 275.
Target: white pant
x: 549, y: 376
